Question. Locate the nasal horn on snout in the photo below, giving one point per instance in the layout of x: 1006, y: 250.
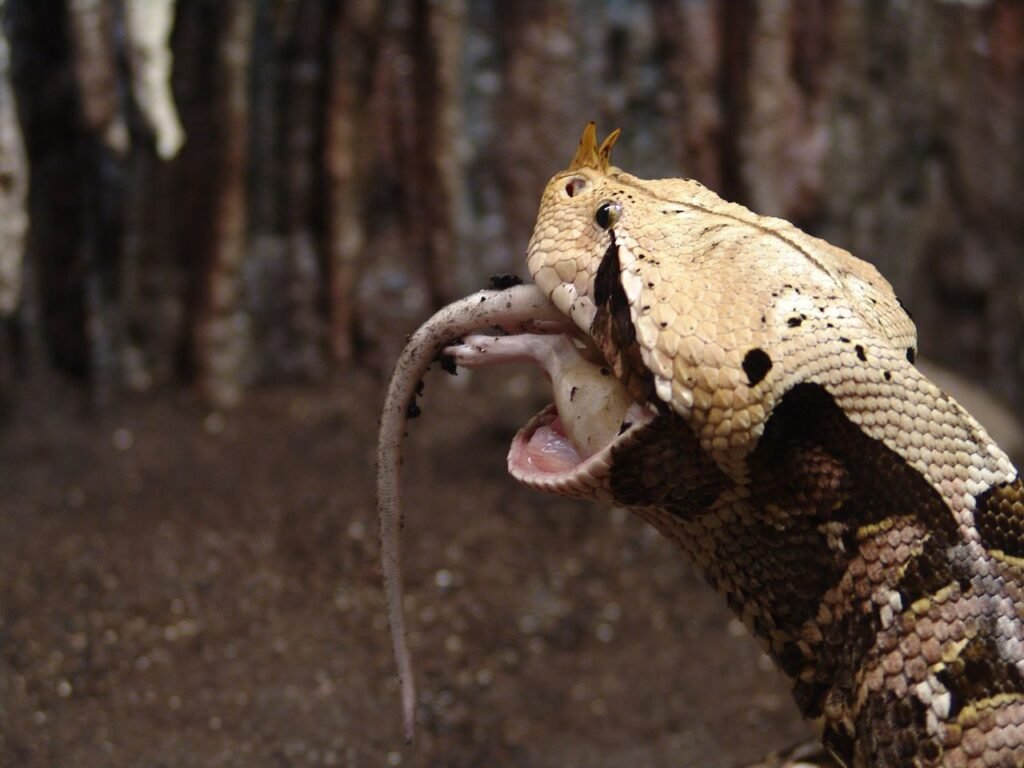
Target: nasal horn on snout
x: 589, y: 154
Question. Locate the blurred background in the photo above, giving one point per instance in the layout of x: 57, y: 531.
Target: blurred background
x: 218, y: 221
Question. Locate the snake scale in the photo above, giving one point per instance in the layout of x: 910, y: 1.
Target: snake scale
x: 750, y: 391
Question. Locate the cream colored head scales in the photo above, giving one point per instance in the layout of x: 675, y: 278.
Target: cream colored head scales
x: 708, y: 307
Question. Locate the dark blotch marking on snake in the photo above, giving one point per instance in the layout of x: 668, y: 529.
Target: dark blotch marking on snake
x: 756, y: 364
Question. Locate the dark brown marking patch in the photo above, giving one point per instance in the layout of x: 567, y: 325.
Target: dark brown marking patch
x: 613, y: 306
x: 606, y: 281
x: 612, y: 327
x: 666, y: 467
x: 756, y: 364
x: 979, y: 672
x: 1000, y: 518
x: 903, y: 738
x: 813, y: 471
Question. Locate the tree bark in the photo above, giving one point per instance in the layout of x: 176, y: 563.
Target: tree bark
x: 221, y: 328
x: 436, y: 172
x: 13, y: 185
x: 352, y: 63
x: 13, y: 218
x: 303, y: 352
x: 891, y: 129
x: 95, y: 67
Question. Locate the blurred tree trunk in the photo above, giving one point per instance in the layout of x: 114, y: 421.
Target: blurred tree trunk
x: 13, y: 186
x: 46, y: 101
x: 304, y: 328
x: 13, y: 214
x: 95, y: 68
x: 104, y: 142
x: 221, y: 328
x: 436, y: 185
x: 152, y: 282
x: 352, y: 58
x: 350, y: 165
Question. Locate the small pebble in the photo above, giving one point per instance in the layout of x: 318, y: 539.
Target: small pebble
x: 123, y: 439
x: 215, y: 423
x: 444, y: 578
x: 357, y: 530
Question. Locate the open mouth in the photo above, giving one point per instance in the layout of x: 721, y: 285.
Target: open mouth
x: 566, y: 448
x: 542, y: 447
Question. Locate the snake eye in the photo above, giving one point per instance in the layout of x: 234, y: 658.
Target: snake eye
x: 607, y: 214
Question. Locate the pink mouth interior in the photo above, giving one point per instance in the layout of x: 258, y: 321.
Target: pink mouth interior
x: 542, y: 454
x: 542, y: 449
x: 546, y: 449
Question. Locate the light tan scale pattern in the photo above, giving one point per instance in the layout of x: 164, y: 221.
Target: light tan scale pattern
x: 710, y: 291
x: 735, y: 315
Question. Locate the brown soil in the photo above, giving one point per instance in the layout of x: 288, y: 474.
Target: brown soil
x: 187, y: 588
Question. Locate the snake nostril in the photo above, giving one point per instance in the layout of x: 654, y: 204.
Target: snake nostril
x: 574, y: 185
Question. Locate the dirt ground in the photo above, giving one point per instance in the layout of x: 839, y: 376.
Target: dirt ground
x: 181, y: 587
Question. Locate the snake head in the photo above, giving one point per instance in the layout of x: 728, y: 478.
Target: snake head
x: 702, y: 307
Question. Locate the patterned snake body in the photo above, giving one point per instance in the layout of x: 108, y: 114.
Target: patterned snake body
x: 766, y: 415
